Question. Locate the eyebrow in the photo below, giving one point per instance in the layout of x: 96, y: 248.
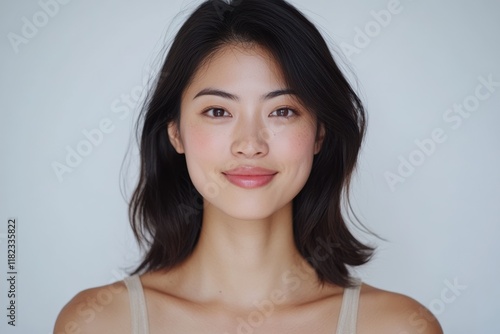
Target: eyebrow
x: 226, y: 95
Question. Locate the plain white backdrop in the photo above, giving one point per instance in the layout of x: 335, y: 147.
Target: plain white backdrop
x: 428, y: 179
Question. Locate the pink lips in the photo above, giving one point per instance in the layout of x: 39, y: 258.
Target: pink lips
x: 249, y: 176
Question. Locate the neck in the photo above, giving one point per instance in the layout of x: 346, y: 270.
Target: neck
x: 237, y: 262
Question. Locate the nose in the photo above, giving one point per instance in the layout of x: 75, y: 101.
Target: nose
x: 250, y: 140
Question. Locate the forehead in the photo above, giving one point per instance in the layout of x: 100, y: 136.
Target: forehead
x: 237, y: 63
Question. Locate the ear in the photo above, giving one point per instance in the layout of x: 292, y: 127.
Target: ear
x: 320, y: 136
x: 175, y: 137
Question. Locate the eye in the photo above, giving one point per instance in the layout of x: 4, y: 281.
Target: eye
x: 216, y: 113
x: 284, y: 112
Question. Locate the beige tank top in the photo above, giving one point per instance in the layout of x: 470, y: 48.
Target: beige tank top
x: 140, y: 325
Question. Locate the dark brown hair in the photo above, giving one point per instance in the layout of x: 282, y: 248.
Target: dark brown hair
x: 166, y: 209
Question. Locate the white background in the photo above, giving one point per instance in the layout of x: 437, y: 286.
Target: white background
x: 442, y: 222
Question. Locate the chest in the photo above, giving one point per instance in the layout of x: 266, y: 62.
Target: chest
x: 263, y: 318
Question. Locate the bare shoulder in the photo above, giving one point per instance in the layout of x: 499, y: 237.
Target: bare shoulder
x: 103, y: 309
x: 383, y: 311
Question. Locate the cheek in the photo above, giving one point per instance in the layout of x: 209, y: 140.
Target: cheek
x: 291, y: 149
x: 200, y: 141
x: 204, y: 152
x: 297, y: 144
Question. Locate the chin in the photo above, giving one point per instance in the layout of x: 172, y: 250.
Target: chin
x: 250, y: 216
x: 250, y: 211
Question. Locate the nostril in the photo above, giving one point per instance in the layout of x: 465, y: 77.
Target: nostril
x: 249, y: 147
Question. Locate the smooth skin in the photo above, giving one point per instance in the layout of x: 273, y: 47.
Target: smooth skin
x: 245, y: 274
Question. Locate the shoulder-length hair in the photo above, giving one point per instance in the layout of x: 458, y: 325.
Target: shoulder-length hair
x: 165, y: 209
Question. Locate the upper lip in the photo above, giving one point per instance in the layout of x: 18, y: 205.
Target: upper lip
x: 250, y: 170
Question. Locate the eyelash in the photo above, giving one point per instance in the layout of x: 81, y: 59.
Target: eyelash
x: 295, y: 113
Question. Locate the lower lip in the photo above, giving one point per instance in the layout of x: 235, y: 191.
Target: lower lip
x: 249, y: 181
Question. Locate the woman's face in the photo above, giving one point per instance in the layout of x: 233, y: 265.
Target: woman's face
x: 237, y: 112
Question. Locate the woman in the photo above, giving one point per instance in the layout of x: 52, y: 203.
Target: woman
x: 248, y: 143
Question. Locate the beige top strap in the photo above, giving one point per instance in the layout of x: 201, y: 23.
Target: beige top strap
x: 138, y: 309
x: 349, y: 310
x: 139, y: 315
